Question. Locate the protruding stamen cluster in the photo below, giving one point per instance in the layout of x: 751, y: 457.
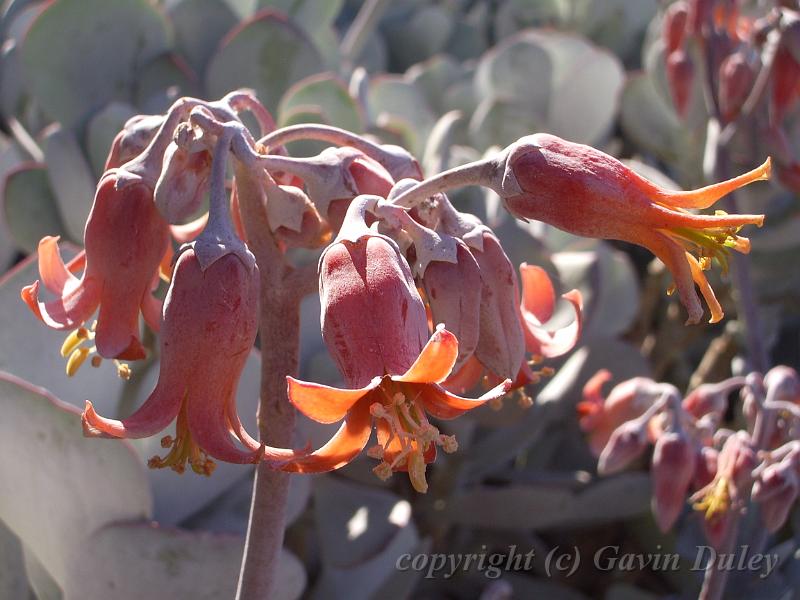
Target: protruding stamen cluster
x: 76, y: 353
x: 713, y: 501
x: 183, y: 450
x: 410, y: 426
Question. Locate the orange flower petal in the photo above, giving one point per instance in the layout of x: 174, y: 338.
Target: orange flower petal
x: 434, y: 363
x: 555, y: 343
x: 324, y: 404
x: 705, y: 289
x: 68, y: 312
x: 538, y: 295
x: 444, y: 405
x: 706, y: 196
x: 53, y: 271
x: 343, y: 447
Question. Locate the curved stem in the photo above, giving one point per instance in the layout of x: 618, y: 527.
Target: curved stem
x: 322, y: 133
x: 475, y: 173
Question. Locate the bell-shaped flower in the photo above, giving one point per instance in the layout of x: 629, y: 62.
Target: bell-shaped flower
x: 375, y: 327
x: 584, y: 191
x: 125, y: 239
x: 210, y: 322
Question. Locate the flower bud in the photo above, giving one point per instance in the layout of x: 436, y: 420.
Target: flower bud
x: 366, y: 284
x: 673, y: 28
x: 672, y: 471
x: 626, y: 444
x: 135, y: 136
x: 776, y: 490
x: 784, y: 84
x: 736, y: 77
x: 501, y: 343
x: 680, y: 75
x: 711, y: 398
x: 183, y: 182
x: 453, y: 292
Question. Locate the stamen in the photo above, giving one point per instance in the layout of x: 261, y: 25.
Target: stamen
x: 183, y: 450
x: 73, y: 340
x: 716, y: 501
x: 376, y: 451
x: 416, y: 471
x: 97, y: 360
x: 383, y: 471
x: 76, y: 360
x: 123, y: 370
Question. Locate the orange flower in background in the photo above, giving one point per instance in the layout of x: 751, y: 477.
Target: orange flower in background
x: 584, y: 191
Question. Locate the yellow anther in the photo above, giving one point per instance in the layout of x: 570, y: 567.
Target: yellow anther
x: 73, y: 340
x: 524, y: 400
x: 496, y: 403
x: 547, y: 371
x: 97, y: 361
x: 449, y: 443
x: 383, y: 471
x: 376, y: 451
x: 416, y: 471
x: 76, y: 360
x: 123, y: 370
x: 376, y: 410
x: 716, y: 501
x: 705, y: 263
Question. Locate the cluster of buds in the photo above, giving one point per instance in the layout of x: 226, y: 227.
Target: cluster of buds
x: 420, y: 303
x: 750, y: 63
x: 695, y: 460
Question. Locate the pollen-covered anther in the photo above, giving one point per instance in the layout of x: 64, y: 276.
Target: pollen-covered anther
x: 716, y: 501
x: 73, y: 340
x: 524, y: 400
x: 448, y: 443
x: 182, y: 449
x: 496, y: 403
x: 123, y: 370
x: 383, y: 471
x: 76, y: 359
x: 97, y: 360
x: 376, y: 452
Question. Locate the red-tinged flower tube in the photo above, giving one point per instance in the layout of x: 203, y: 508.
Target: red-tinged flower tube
x: 375, y: 327
x: 125, y: 240
x: 584, y: 191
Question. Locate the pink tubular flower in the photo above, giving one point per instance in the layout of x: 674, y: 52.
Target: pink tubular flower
x: 586, y: 192
x: 125, y: 240
x: 374, y: 324
x: 210, y: 321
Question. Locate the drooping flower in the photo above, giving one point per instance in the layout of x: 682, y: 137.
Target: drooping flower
x: 584, y: 191
x: 125, y: 240
x: 209, y: 325
x: 375, y: 327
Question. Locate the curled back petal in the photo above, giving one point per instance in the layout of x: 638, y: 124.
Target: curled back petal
x: 342, y: 448
x: 464, y: 378
x: 68, y: 312
x: 444, y: 405
x: 705, y: 289
x: 160, y: 408
x: 323, y: 403
x: 434, y: 363
x: 554, y: 343
x: 538, y: 295
x: 54, y: 273
x: 706, y: 196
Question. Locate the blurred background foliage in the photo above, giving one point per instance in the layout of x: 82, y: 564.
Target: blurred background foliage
x: 450, y: 80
